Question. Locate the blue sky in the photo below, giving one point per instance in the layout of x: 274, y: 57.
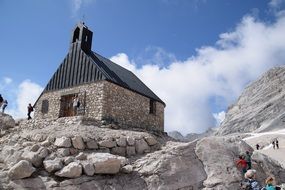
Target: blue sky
x: 196, y: 55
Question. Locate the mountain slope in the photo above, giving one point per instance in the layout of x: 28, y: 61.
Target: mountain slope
x: 261, y: 106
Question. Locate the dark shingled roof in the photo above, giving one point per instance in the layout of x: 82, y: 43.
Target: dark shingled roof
x: 123, y: 77
x: 79, y: 67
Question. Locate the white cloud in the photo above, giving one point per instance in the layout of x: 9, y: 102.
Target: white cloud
x: 223, y: 70
x: 26, y: 92
x: 124, y: 61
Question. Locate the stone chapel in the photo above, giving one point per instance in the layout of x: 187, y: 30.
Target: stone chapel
x: 106, y: 91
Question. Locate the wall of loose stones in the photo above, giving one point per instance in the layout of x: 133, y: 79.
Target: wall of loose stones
x: 130, y: 108
x: 94, y: 101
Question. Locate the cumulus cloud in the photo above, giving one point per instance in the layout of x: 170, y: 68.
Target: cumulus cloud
x: 19, y: 96
x: 221, y: 72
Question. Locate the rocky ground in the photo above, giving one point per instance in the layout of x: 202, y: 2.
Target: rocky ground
x: 67, y: 154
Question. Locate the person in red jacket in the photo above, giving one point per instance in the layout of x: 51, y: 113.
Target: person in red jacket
x: 241, y: 163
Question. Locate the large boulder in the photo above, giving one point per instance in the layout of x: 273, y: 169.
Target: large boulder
x: 62, y: 142
x: 32, y: 157
x: 53, y: 165
x: 218, y: 156
x: 22, y: 169
x: 105, y: 163
x: 72, y: 170
x: 176, y: 166
x: 6, y: 121
x: 78, y: 143
x: 88, y: 168
x: 141, y: 146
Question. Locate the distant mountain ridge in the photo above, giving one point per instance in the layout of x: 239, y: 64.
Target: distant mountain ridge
x: 191, y: 136
x: 260, y: 107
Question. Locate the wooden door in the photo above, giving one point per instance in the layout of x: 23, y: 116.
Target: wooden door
x: 66, y: 108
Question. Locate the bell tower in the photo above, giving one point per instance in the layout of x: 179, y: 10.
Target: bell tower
x: 82, y: 36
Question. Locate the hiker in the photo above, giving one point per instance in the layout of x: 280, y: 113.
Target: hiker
x: 30, y: 110
x: 75, y: 105
x: 270, y: 184
x: 1, y: 100
x: 249, y: 182
x: 241, y: 163
x: 248, y: 159
x: 277, y: 143
x: 257, y: 146
x: 273, y: 143
x: 5, y: 104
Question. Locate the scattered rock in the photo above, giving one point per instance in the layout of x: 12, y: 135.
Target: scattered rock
x: 72, y: 170
x: 78, y: 143
x: 63, y: 152
x: 32, y: 157
x: 62, y: 142
x: 122, y: 141
x: 92, y: 144
x: 68, y: 160
x: 88, y: 168
x: 53, y: 165
x: 39, y: 137
x: 22, y: 169
x: 108, y: 143
x: 131, y: 151
x: 105, y: 163
x: 46, y: 143
x: 119, y: 151
x: 127, y: 169
x: 141, y: 146
x: 35, y: 148
x: 81, y: 156
x: 150, y: 140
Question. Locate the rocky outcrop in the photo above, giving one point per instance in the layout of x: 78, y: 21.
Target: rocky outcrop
x: 6, y: 121
x: 260, y: 107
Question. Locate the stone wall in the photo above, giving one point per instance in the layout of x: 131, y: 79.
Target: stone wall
x: 130, y: 108
x: 91, y: 94
x: 104, y: 100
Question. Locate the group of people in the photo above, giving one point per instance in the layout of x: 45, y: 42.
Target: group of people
x: 275, y: 143
x: 244, y: 163
x: 250, y: 182
x: 3, y: 103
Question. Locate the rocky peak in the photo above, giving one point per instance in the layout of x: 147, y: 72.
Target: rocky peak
x: 260, y: 107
